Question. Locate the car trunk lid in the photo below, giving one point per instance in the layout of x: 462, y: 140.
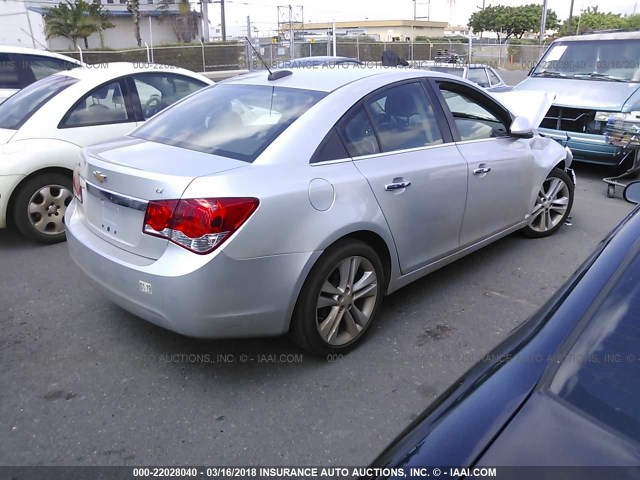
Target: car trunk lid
x: 120, y: 178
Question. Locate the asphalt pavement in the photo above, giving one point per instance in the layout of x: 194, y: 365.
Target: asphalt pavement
x: 86, y: 383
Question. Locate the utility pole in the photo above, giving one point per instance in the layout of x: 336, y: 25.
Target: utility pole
x: 291, y: 39
x: 543, y: 21
x: 288, y: 15
x: 204, y: 11
x: 335, y: 47
x: 249, y: 49
x: 570, y: 20
x: 223, y: 26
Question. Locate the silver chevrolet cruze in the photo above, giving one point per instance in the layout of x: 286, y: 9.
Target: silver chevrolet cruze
x: 292, y: 202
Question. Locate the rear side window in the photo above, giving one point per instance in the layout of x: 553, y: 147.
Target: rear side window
x: 479, y: 76
x: 157, y: 91
x: 9, y: 77
x: 331, y: 148
x: 44, y: 66
x: 18, y: 108
x: 493, y: 77
x: 601, y: 373
x: 104, y: 105
x: 360, y: 139
x: 235, y: 121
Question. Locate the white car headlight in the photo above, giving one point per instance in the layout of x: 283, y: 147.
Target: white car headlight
x: 604, y: 116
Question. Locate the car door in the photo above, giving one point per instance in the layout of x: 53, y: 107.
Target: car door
x: 155, y: 91
x: 403, y: 147
x: 104, y: 113
x: 500, y: 166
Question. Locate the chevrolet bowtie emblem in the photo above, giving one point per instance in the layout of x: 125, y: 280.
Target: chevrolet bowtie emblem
x: 99, y: 176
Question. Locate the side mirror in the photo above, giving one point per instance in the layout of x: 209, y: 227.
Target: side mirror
x: 521, y: 126
x: 632, y: 192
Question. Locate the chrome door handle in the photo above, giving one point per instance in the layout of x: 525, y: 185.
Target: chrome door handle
x: 397, y: 186
x: 481, y: 170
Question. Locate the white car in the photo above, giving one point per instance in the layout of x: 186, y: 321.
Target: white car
x: 20, y: 67
x: 44, y: 126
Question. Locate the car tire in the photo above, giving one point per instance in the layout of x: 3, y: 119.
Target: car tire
x: 553, y: 205
x: 348, y: 280
x: 40, y: 205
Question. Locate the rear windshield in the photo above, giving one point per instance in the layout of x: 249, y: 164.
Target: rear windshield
x: 458, y: 72
x: 601, y: 373
x: 235, y: 121
x: 18, y: 108
x: 613, y: 60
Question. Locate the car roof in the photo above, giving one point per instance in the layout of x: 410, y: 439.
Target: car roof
x: 103, y: 71
x: 602, y: 36
x: 34, y: 51
x: 325, y: 78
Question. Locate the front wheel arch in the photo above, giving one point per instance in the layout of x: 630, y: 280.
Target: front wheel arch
x: 44, y: 171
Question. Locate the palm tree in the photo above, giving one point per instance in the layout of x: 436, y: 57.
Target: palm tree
x: 185, y: 24
x: 134, y: 7
x: 75, y: 20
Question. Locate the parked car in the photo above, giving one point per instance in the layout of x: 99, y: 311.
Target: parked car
x: 44, y: 126
x: 485, y: 76
x: 293, y: 202
x: 561, y: 390
x: 594, y: 76
x: 318, y: 61
x: 20, y: 67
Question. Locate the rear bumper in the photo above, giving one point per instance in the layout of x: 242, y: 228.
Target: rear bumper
x: 199, y: 296
x: 587, y: 147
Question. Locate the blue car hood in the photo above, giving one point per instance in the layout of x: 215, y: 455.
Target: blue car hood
x: 588, y: 94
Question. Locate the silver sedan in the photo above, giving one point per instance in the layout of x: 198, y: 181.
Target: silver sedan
x: 293, y: 202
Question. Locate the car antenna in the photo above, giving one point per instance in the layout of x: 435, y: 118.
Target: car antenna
x: 272, y: 76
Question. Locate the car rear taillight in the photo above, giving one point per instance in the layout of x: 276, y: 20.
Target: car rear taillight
x: 77, y: 188
x: 197, y: 224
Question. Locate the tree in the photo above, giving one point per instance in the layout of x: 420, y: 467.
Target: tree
x: 75, y: 20
x: 489, y: 19
x: 134, y: 8
x: 511, y: 21
x: 592, y: 19
x: 185, y: 25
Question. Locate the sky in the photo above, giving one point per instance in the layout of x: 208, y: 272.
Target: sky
x: 264, y: 13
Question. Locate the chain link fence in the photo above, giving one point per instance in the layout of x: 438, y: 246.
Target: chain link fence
x: 239, y: 56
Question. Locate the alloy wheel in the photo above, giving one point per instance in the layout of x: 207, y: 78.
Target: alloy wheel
x: 47, y: 208
x: 551, y: 205
x: 346, y: 301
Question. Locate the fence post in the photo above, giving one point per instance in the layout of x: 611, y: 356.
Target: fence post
x: 204, y: 66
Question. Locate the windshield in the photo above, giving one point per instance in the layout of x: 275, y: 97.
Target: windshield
x: 613, y: 60
x: 18, y: 108
x: 236, y: 121
x: 458, y: 72
x: 600, y: 374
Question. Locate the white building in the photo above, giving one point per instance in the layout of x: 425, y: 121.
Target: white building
x: 21, y: 27
x: 22, y: 24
